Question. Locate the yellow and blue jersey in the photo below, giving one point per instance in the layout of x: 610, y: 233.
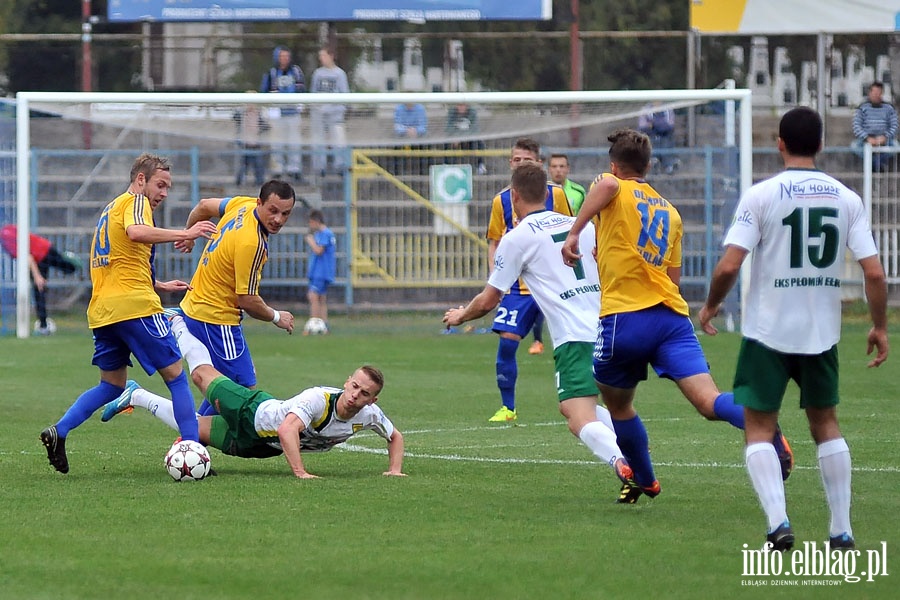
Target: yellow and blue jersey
x: 231, y: 264
x: 503, y: 219
x: 639, y: 237
x: 122, y: 270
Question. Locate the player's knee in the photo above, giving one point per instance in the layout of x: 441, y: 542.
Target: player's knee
x: 706, y: 409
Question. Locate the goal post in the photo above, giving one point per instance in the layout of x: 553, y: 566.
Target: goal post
x: 546, y: 116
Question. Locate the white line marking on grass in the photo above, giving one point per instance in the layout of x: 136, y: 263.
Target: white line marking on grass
x: 547, y: 461
x: 505, y: 427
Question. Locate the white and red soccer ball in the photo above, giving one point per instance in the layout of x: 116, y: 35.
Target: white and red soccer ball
x: 187, y: 461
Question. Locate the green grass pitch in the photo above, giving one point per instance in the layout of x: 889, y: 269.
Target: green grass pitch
x: 486, y: 512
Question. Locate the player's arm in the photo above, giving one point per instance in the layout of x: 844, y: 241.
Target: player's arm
x: 486, y: 301
x: 876, y: 296
x: 289, y: 437
x: 206, y: 209
x: 175, y: 285
x: 39, y: 282
x: 147, y: 234
x: 313, y: 246
x: 256, y: 307
x: 598, y: 198
x: 492, y: 250
x: 724, y: 277
x: 395, y: 455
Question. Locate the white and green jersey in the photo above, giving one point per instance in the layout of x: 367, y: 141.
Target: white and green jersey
x: 568, y: 296
x: 798, y: 224
x: 323, y: 430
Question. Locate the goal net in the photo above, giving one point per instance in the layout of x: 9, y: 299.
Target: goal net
x: 404, y: 180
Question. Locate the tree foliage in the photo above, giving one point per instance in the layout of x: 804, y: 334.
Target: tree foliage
x: 510, y: 62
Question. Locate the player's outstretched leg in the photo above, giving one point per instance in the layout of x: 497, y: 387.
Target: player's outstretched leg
x: 122, y: 403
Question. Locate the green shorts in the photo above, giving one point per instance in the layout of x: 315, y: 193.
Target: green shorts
x: 762, y: 376
x: 232, y: 431
x: 574, y: 370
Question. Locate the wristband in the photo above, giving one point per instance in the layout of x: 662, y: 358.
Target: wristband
x: 276, y: 316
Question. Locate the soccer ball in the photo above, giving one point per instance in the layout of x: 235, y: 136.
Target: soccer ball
x: 50, y: 329
x: 315, y: 326
x: 187, y: 461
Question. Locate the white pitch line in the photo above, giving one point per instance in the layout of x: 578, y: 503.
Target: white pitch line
x: 504, y: 427
x: 547, y: 461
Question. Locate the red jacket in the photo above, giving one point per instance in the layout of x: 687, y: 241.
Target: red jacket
x: 40, y: 247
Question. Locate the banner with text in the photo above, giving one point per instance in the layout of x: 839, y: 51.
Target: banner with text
x: 334, y: 10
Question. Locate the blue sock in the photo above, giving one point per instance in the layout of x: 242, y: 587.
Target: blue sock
x: 632, y: 438
x: 206, y: 409
x: 727, y: 410
x: 183, y: 407
x: 507, y: 371
x: 86, y: 404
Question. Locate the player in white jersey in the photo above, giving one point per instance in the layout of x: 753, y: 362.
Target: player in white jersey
x: 798, y: 225
x: 253, y: 424
x: 568, y: 297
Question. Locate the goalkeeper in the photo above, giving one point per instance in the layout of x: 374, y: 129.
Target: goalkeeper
x: 253, y: 424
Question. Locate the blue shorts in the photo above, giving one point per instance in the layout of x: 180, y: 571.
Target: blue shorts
x: 655, y: 336
x: 148, y: 338
x: 516, y: 314
x: 318, y: 285
x: 229, y: 352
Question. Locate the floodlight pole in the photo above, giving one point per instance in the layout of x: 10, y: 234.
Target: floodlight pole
x: 86, y: 66
x: 576, y: 73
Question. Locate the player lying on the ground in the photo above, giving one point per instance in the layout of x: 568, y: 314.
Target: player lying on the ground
x: 253, y: 424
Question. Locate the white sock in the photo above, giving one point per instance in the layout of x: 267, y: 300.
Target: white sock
x: 192, y: 349
x: 765, y: 473
x: 602, y: 442
x: 834, y: 466
x: 604, y: 417
x: 159, y: 407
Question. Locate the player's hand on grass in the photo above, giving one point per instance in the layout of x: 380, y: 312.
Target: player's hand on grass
x: 394, y: 474
x: 305, y: 475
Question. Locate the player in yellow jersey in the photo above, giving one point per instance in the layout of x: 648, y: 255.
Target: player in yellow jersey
x: 225, y: 285
x: 125, y: 313
x: 517, y: 312
x: 643, y: 318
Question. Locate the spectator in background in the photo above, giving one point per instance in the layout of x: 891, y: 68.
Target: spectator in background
x: 462, y: 122
x: 410, y: 121
x: 322, y: 264
x: 285, y: 78
x: 658, y: 123
x: 875, y: 123
x: 43, y: 255
x: 327, y: 120
x: 251, y: 125
x: 559, y: 174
